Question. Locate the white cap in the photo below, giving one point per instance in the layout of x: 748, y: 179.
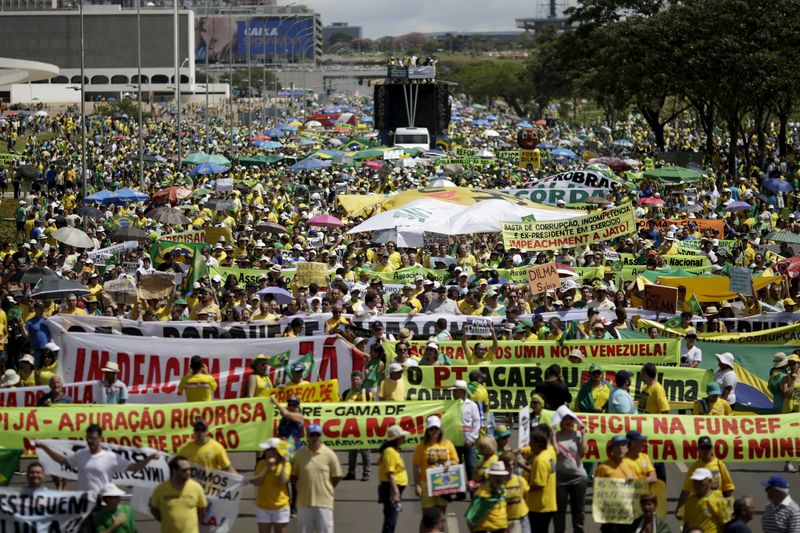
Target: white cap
x: 433, y: 345
x: 701, y: 474
x: 726, y: 358
x: 53, y: 347
x: 461, y: 385
x: 110, y: 490
x: 433, y: 421
x: 27, y: 358
x: 395, y: 367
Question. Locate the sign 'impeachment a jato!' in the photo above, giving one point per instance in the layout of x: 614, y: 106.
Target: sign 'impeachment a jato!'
x: 627, y: 351
x: 580, y: 231
x: 510, y: 386
x: 152, y: 367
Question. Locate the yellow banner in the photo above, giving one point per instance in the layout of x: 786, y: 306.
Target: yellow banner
x: 239, y: 425
x: 573, y: 232
x: 207, y: 235
x: 320, y: 391
x: 543, y: 353
x: 783, y: 335
x: 673, y: 438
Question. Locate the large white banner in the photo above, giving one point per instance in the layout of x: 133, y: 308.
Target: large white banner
x: 88, y: 392
x: 152, y: 367
x: 44, y: 510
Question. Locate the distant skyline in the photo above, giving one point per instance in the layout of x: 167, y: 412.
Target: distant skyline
x: 381, y: 17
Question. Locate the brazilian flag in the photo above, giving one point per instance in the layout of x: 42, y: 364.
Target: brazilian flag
x: 9, y: 463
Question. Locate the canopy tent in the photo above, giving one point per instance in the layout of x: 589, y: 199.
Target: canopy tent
x: 453, y: 219
x: 674, y: 175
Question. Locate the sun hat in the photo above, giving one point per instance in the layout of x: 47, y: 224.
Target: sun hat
x: 110, y: 366
x: 112, y: 491
x: 395, y: 432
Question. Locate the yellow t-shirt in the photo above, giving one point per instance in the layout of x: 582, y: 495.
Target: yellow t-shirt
x: 77, y: 311
x: 709, y: 513
x: 622, y: 470
x: 392, y: 391
x: 719, y: 408
x: 272, y: 494
x: 209, y: 455
x: 3, y: 329
x: 495, y: 519
x: 543, y: 474
x: 263, y: 386
x: 656, y: 402
x: 179, y: 507
x: 198, y: 387
x: 391, y: 463
x: 642, y: 465
x: 433, y: 455
x: 44, y: 374
x: 721, y: 480
x: 314, y: 470
x: 516, y: 502
x: 467, y: 309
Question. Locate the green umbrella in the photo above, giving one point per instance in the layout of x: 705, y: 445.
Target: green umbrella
x: 674, y: 175
x: 373, y: 153
x: 201, y: 157
x: 784, y: 236
x: 260, y: 159
x: 202, y: 192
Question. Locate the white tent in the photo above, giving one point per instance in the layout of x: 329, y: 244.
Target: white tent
x: 402, y: 237
x: 428, y: 214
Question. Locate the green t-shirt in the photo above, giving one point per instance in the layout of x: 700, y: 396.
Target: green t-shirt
x: 103, y: 519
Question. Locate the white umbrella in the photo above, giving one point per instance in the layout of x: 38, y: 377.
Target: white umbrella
x: 441, y: 182
x: 491, y: 133
x: 73, y: 237
x: 41, y: 113
x: 313, y: 124
x: 405, y: 162
x: 484, y: 153
x: 428, y: 214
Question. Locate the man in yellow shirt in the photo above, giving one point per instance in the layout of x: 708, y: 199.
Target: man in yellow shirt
x: 198, y: 384
x: 721, y: 480
x: 392, y: 389
x: 205, y: 451
x: 72, y: 307
x: 542, y: 481
x: 705, y: 508
x: 471, y: 304
x: 640, y: 460
x: 179, y: 503
x: 712, y: 404
x: 316, y: 472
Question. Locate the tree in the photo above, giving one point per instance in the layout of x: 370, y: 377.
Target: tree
x: 385, y: 44
x: 486, y: 81
x: 362, y: 45
x: 411, y: 41
x: 257, y: 77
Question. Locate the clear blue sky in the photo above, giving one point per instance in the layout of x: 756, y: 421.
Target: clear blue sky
x: 382, y: 17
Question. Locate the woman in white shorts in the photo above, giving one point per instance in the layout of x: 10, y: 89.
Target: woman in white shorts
x: 272, y: 479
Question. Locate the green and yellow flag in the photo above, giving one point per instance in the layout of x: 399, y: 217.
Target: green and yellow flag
x: 9, y: 463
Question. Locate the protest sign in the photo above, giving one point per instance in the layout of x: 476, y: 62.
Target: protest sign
x: 446, y: 480
x: 154, y: 473
x: 478, y: 327
x: 554, y: 192
x: 524, y: 432
x: 510, y: 386
x: 153, y: 367
x: 543, y: 278
x: 530, y: 159
x: 783, y: 335
x: 628, y: 351
x: 741, y: 281
x: 431, y: 239
x: 87, y: 392
x: 580, y: 231
x: 308, y: 273
x: 44, y: 511
x: 616, y: 501
x: 660, y: 299
x: 101, y: 255
x: 321, y: 391
x: 728, y: 244
x: 209, y: 235
x: 715, y: 227
x: 686, y: 261
x: 672, y: 438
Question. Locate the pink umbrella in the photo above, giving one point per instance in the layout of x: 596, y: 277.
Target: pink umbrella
x: 652, y: 201
x: 374, y: 165
x: 325, y: 221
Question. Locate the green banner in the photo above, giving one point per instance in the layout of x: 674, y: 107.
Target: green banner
x: 244, y: 275
x: 239, y: 425
x: 510, y: 386
x: 544, y: 353
x: 407, y: 275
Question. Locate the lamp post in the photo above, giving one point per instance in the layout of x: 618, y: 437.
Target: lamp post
x: 139, y: 88
x: 288, y: 32
x: 205, y: 131
x: 83, y: 108
x: 301, y: 36
x: 230, y: 80
x: 274, y: 61
x: 178, y: 103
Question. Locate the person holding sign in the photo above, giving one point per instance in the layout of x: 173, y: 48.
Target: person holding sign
x: 712, y: 404
x: 478, y: 354
x: 272, y: 479
x: 721, y: 481
x: 488, y: 510
x: 432, y: 451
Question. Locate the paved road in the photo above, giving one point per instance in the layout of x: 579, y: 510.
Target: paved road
x: 357, y: 509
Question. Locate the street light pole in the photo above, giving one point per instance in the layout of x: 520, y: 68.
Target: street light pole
x: 207, y: 77
x: 83, y: 109
x: 176, y: 28
x: 230, y: 80
x: 139, y: 87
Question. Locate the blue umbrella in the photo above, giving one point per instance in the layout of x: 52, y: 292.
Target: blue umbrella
x: 281, y: 296
x: 309, y: 163
x: 480, y: 122
x: 624, y: 143
x: 737, y: 206
x: 778, y: 185
x: 545, y: 146
x: 126, y: 196
x: 208, y: 168
x: 287, y: 127
x: 308, y: 141
x: 564, y: 152
x: 97, y: 198
x: 274, y: 132
x: 492, y: 117
x: 455, y: 118
x: 366, y: 119
x: 271, y: 145
x: 524, y: 124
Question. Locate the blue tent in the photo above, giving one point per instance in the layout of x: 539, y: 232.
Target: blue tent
x: 309, y: 163
x: 208, y: 168
x: 125, y: 196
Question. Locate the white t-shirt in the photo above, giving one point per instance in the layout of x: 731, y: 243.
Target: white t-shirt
x: 95, y: 471
x: 727, y: 378
x: 691, y: 355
